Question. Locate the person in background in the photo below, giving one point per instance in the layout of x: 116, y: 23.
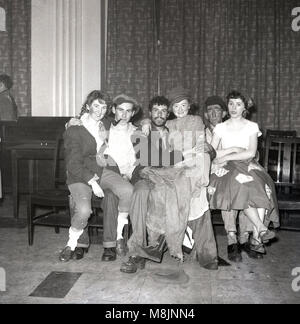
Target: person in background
x: 8, y: 107
x: 215, y: 111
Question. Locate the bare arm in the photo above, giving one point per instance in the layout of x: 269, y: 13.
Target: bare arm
x: 221, y: 153
x: 245, y: 154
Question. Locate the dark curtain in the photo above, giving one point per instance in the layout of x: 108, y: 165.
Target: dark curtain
x: 15, y: 51
x: 211, y: 47
x: 131, y: 53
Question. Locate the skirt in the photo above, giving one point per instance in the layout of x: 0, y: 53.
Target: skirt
x: 246, y: 184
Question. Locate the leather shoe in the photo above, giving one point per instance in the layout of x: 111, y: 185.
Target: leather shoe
x: 133, y: 263
x: 211, y: 266
x: 251, y: 254
x: 258, y: 248
x: 66, y: 254
x: 109, y: 254
x: 79, y: 252
x: 234, y: 253
x: 223, y: 263
x: 267, y: 235
x: 121, y: 247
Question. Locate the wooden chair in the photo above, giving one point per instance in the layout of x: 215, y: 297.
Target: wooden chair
x: 54, y: 203
x: 286, y: 175
x: 272, y: 158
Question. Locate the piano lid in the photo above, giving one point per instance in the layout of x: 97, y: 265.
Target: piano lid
x: 32, y: 128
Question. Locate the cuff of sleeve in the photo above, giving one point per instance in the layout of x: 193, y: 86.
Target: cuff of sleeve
x: 95, y: 178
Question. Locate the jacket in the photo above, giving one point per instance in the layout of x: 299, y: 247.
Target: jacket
x: 80, y: 154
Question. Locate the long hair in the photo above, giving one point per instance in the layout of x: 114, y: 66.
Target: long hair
x: 95, y: 95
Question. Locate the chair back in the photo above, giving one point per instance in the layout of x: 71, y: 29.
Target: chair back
x: 59, y: 170
x: 282, y: 161
x: 270, y: 134
x: 280, y: 133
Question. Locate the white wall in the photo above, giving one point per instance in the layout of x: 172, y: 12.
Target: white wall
x: 66, y: 54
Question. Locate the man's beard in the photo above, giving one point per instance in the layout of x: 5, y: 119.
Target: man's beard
x: 163, y: 122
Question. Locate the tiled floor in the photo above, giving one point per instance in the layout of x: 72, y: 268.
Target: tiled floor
x: 253, y: 281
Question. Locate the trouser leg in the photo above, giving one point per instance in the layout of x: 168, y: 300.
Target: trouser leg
x: 84, y: 240
x: 80, y: 207
x: 110, y: 214
x: 245, y: 226
x: 229, y: 219
x: 119, y: 186
x: 138, y: 213
x: 123, y: 190
x: 204, y: 239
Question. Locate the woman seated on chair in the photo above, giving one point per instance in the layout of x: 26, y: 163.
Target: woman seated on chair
x: 84, y: 175
x: 241, y: 183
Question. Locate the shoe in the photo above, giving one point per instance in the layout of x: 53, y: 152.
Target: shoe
x: 121, y: 247
x: 186, y: 250
x: 156, y: 252
x: 246, y: 247
x: 66, y: 254
x: 109, y: 254
x: 211, y: 266
x: 79, y: 252
x: 223, y: 263
x: 234, y: 253
x: 259, y: 248
x: 133, y: 263
x: 267, y: 235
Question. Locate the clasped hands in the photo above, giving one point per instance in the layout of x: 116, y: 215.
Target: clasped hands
x: 219, y: 163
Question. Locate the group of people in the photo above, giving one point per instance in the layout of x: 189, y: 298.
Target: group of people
x: 166, y: 175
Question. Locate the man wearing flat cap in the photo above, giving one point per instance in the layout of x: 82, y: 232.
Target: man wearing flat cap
x: 214, y: 113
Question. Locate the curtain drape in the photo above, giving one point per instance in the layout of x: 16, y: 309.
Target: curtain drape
x: 131, y: 49
x: 15, y: 51
x: 211, y: 47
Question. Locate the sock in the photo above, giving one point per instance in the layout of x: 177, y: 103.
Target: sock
x: 231, y: 237
x: 188, y: 238
x: 122, y: 221
x: 74, y: 235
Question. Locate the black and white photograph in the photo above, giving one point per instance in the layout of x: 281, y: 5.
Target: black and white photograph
x: 150, y: 154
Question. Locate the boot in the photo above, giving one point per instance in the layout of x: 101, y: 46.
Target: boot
x: 156, y: 252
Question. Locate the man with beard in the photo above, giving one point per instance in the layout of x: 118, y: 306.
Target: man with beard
x: 156, y: 152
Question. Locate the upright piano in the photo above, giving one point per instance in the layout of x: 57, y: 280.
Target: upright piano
x: 27, y: 130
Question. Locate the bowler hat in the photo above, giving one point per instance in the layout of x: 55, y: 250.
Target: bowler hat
x: 177, y: 94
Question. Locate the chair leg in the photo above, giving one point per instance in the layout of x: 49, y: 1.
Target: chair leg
x: 30, y: 215
x: 57, y: 229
